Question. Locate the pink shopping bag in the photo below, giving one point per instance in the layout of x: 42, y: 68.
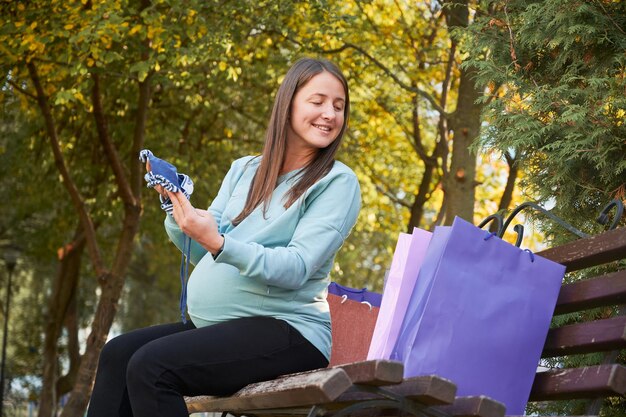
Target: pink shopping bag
x: 407, y: 259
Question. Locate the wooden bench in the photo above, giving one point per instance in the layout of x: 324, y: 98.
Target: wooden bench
x: 377, y: 387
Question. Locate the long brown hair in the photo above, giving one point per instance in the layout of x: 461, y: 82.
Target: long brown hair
x: 273, y: 155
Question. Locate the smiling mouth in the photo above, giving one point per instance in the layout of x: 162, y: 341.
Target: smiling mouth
x: 323, y: 128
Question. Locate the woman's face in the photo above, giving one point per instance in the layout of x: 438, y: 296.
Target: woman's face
x: 316, y: 114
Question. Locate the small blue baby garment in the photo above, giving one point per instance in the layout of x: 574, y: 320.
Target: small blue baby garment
x: 165, y: 174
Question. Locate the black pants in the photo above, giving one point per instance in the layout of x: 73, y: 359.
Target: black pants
x: 146, y: 373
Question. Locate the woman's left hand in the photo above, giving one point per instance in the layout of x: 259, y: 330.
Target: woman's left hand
x: 195, y: 223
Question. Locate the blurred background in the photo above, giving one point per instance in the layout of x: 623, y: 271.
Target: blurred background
x: 459, y: 108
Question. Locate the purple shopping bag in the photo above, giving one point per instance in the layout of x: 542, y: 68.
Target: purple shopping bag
x: 356, y: 294
x: 479, y: 314
x: 407, y: 259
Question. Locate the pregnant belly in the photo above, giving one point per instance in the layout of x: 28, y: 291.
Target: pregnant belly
x: 217, y: 292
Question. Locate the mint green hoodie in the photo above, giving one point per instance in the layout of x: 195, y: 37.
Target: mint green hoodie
x: 275, y: 266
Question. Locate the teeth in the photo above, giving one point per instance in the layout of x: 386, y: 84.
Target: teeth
x: 324, y: 128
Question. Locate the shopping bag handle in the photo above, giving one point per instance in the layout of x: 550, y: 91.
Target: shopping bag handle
x: 518, y: 228
x: 502, y: 224
x: 345, y: 297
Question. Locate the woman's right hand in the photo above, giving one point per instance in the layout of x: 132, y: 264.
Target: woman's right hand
x: 158, y: 188
x: 200, y: 225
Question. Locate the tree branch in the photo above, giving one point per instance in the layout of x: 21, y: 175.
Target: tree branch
x: 109, y: 149
x: 184, y: 134
x: 241, y: 112
x: 441, y: 214
x: 494, y: 95
x: 446, y: 82
x: 610, y: 18
x: 139, y: 135
x: 21, y: 90
x: 400, y: 123
x: 417, y: 135
x: 377, y: 31
x: 507, y: 194
x: 433, y: 33
x: 407, y: 28
x: 380, y: 65
x: 374, y: 27
x: 385, y: 188
x: 70, y: 185
x: 391, y: 196
x: 394, y: 77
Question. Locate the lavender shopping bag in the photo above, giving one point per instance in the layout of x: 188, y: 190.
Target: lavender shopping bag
x: 407, y: 259
x: 479, y: 314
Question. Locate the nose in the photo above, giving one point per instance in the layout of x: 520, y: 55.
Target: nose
x: 329, y: 112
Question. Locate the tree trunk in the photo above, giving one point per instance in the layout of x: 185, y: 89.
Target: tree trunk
x: 103, y: 319
x: 63, y: 292
x: 460, y: 184
x: 66, y: 382
x: 507, y: 194
x: 112, y: 285
x: 111, y: 282
x: 422, y: 196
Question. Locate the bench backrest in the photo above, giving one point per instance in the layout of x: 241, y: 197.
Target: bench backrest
x: 594, y: 330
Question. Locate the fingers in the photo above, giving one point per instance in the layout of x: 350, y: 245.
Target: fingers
x: 186, y: 216
x: 160, y: 190
x: 196, y: 223
x: 175, y: 197
x: 177, y: 211
x: 181, y: 204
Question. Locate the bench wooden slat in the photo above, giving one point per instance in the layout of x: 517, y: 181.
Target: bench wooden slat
x: 590, y: 293
x: 475, y: 406
x: 428, y: 390
x: 595, y: 250
x: 594, y: 336
x: 374, y: 372
x: 587, y: 382
x: 273, y: 412
x: 298, y: 390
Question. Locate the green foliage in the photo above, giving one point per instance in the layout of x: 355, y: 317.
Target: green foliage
x: 561, y: 69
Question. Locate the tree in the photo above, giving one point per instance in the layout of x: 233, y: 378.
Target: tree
x: 561, y: 108
x: 562, y: 105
